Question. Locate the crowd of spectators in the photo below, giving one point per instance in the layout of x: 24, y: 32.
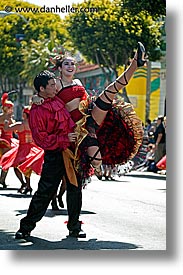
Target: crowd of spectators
x: 152, y: 153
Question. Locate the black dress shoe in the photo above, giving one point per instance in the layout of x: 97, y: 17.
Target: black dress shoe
x: 77, y: 234
x: 21, y: 235
x: 141, y: 55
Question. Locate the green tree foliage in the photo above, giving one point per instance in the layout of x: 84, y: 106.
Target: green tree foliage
x: 39, y: 28
x: 156, y: 8
x: 106, y: 35
x: 109, y: 35
x: 36, y: 56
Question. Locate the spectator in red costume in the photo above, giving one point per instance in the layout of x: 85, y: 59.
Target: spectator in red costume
x: 26, y: 157
x: 6, y: 137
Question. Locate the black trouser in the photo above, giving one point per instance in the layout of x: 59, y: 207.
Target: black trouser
x: 52, y: 173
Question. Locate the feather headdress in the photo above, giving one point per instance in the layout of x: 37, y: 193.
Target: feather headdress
x: 5, y: 102
x: 26, y: 109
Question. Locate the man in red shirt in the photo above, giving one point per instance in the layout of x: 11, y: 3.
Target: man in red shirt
x: 52, y: 130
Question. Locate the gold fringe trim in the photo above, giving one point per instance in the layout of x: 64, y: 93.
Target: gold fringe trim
x: 68, y: 156
x: 80, y: 130
x: 128, y: 114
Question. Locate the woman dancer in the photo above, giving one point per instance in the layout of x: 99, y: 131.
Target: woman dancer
x: 92, y: 128
x: 6, y: 137
x: 27, y: 157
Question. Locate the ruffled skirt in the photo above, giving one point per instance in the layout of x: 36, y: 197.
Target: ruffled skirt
x: 25, y: 157
x: 6, y: 145
x: 119, y: 138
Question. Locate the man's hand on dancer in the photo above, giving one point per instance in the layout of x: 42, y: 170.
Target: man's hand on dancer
x: 72, y: 137
x: 37, y: 100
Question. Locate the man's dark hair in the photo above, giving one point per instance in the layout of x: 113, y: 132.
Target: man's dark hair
x: 42, y: 79
x: 161, y: 118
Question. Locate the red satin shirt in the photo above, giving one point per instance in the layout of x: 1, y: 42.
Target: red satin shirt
x: 50, y: 124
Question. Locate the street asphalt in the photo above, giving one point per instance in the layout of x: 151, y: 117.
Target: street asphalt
x: 126, y: 214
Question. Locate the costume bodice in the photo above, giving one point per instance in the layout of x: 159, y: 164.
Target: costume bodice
x: 67, y: 94
x: 5, y: 134
x: 25, y: 136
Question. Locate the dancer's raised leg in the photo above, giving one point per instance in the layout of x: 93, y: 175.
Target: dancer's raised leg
x: 104, y: 101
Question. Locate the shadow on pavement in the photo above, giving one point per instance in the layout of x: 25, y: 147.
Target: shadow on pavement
x: 70, y: 243
x: 52, y: 213
x: 8, y: 188
x: 155, y: 176
x: 8, y: 242
x: 115, y: 180
x: 17, y: 196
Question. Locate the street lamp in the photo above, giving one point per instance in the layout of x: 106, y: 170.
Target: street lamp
x: 5, y: 13
x: 19, y: 37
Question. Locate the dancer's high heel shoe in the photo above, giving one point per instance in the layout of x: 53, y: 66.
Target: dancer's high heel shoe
x: 22, y: 188
x: 141, y: 60
x: 27, y: 190
x: 3, y: 184
x: 98, y: 172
